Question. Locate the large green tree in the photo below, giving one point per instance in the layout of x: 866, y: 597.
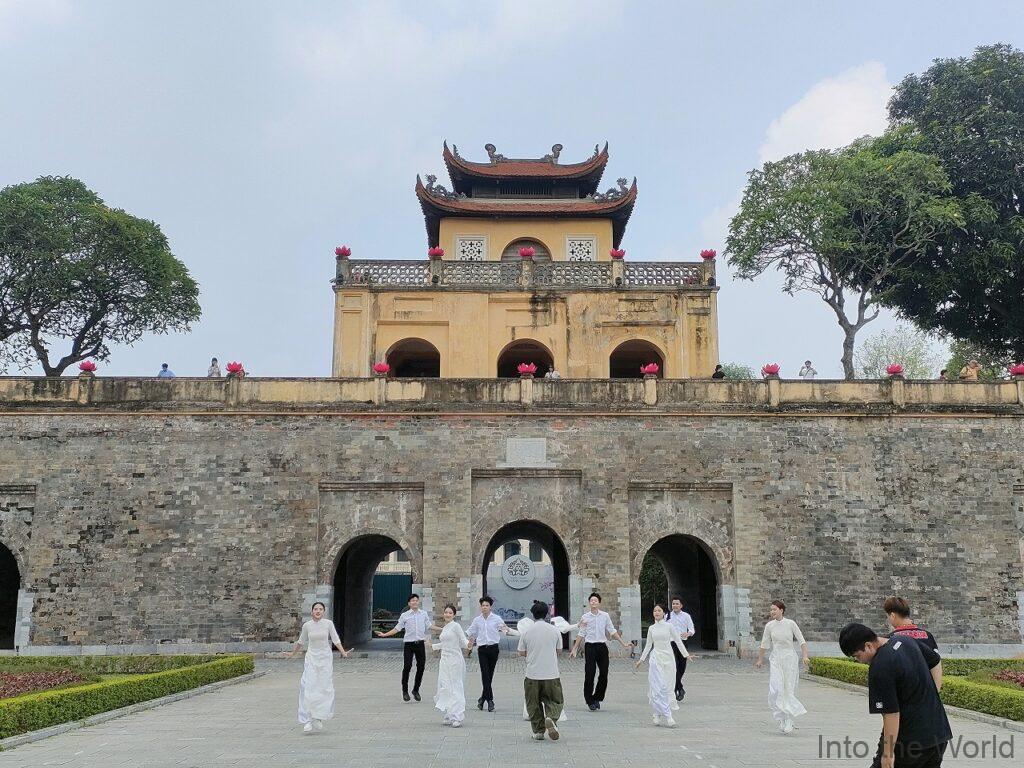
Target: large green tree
x: 969, y: 114
x: 78, y: 275
x: 839, y: 223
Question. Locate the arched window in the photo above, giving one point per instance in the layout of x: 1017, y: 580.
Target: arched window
x: 540, y: 251
x: 414, y: 357
x: 524, y: 351
x: 627, y: 358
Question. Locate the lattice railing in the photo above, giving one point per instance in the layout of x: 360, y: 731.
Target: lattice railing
x: 385, y: 272
x: 573, y: 273
x: 662, y: 273
x: 485, y: 273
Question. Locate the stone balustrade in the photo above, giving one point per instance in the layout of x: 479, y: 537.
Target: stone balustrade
x: 524, y: 275
x: 19, y: 394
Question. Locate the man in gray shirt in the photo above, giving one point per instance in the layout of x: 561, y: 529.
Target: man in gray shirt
x: 542, y: 686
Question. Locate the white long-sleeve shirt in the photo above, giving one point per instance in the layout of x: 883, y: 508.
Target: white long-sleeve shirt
x: 596, y: 628
x: 681, y: 621
x: 415, y: 624
x: 486, y: 631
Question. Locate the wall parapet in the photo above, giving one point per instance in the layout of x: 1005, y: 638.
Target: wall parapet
x: 523, y: 275
x: 18, y: 393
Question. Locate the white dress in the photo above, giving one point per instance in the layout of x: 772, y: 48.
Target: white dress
x: 316, y: 689
x: 783, y: 637
x: 451, y: 672
x: 662, y: 668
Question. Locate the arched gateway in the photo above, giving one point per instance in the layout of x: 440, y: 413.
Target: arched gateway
x: 353, y: 585
x: 683, y: 565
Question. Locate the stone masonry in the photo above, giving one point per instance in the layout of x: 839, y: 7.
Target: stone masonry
x: 198, y: 525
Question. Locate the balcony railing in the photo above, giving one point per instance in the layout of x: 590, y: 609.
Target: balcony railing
x: 524, y: 275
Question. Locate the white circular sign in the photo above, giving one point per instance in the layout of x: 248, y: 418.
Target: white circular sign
x: 518, y: 572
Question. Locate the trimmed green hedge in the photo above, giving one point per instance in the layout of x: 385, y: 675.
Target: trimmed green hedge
x: 105, y: 665
x: 956, y: 690
x: 41, y: 710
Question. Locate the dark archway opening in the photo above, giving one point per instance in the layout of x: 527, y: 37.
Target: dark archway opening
x: 414, y: 358
x: 354, y: 586
x: 540, y: 540
x: 524, y: 351
x: 681, y: 565
x: 10, y: 583
x: 627, y: 358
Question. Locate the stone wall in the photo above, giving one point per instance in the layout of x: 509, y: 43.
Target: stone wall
x: 202, y: 525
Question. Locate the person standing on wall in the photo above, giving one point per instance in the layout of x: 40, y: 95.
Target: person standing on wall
x: 415, y: 623
x: 595, y: 629
x: 485, y: 633
x: 683, y: 623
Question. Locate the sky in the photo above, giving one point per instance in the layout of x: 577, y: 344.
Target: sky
x: 260, y: 135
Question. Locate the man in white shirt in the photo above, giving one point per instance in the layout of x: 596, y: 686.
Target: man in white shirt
x: 595, y: 629
x: 542, y: 686
x: 807, y: 372
x: 681, y: 620
x: 485, y: 633
x: 415, y: 623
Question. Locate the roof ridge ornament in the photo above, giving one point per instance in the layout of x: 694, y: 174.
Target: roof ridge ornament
x: 613, y: 193
x: 556, y: 150
x: 440, y: 190
x: 492, y: 154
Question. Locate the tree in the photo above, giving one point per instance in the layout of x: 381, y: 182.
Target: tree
x: 74, y: 270
x: 910, y: 347
x: 839, y: 223
x: 969, y: 113
x: 993, y: 366
x: 737, y: 371
x: 653, y: 584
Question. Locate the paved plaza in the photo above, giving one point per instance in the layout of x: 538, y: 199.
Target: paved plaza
x: 724, y: 722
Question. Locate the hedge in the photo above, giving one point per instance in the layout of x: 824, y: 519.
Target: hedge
x: 41, y: 710
x: 105, y: 665
x: 956, y: 691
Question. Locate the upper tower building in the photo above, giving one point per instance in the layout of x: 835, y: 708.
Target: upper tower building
x: 525, y: 266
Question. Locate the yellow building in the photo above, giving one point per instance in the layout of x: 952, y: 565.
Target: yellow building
x: 525, y: 266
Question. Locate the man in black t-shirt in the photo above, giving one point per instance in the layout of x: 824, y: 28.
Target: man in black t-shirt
x: 904, y: 678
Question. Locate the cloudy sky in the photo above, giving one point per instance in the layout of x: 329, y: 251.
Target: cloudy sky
x: 259, y: 135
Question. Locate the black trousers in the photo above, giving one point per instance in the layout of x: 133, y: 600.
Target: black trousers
x: 596, y: 656
x: 680, y: 667
x: 417, y: 649
x: 488, y: 656
x: 930, y: 757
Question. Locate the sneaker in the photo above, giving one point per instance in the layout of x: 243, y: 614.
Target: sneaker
x: 318, y: 725
x: 593, y: 706
x: 538, y: 737
x: 446, y: 721
x: 490, y: 706
x: 656, y: 719
x: 479, y: 703
x: 405, y: 696
x: 456, y: 723
x: 551, y: 728
x: 669, y: 722
x: 415, y: 695
x: 597, y: 704
x: 307, y: 728
x: 787, y: 726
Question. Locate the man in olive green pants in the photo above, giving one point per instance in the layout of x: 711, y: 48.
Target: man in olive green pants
x: 542, y: 686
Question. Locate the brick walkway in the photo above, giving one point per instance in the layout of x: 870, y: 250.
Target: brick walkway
x: 724, y: 723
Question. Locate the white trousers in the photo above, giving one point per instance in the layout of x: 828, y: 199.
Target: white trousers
x: 316, y: 689
x: 784, y: 674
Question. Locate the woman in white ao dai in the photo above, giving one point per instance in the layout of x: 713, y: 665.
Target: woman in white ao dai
x: 316, y: 688
x: 662, y: 666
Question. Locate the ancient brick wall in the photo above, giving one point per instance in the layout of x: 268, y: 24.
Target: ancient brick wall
x: 213, y: 528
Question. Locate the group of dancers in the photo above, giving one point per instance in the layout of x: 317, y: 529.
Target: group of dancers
x: 540, y: 639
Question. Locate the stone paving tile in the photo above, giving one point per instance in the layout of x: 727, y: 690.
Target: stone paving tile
x: 724, y: 723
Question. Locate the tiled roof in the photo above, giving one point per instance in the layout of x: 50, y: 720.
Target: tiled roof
x: 526, y: 169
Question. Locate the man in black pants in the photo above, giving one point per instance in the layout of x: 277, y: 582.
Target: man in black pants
x: 485, y: 633
x: 904, y: 678
x: 682, y: 621
x: 415, y: 623
x: 595, y: 629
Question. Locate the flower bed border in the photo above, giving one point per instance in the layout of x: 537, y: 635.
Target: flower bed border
x: 35, y: 711
x: 957, y: 692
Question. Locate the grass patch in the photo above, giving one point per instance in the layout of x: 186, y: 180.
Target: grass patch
x: 128, y: 686
x: 966, y: 683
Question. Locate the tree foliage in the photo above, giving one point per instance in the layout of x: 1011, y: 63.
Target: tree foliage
x: 909, y: 346
x: 81, y: 275
x: 994, y: 366
x: 737, y: 371
x: 653, y: 583
x: 969, y: 114
x: 839, y: 223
